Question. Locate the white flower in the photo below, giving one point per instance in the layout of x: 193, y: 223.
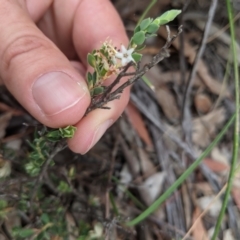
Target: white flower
x: 125, y: 55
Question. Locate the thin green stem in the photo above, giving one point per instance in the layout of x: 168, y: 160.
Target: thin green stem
x: 129, y: 194
x: 149, y: 7
x: 114, y: 206
x: 151, y: 4
x: 181, y: 179
x: 147, y: 82
x: 236, y: 129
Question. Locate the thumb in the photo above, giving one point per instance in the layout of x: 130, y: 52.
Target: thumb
x: 34, y: 70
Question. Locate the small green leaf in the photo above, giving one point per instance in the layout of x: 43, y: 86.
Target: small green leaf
x: 137, y: 29
x: 145, y: 23
x: 139, y: 38
x: 90, y: 80
x: 104, y: 53
x: 137, y: 57
x: 63, y: 187
x: 54, y: 135
x: 72, y: 172
x: 68, y: 132
x: 3, y: 204
x: 45, y: 218
x: 94, y: 77
x: 168, y: 16
x: 140, y: 48
x: 91, y: 60
x: 24, y: 233
x: 98, y: 90
x: 152, y: 28
x: 31, y: 169
x: 103, y: 72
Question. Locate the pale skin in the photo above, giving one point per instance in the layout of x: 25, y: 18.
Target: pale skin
x: 43, y: 49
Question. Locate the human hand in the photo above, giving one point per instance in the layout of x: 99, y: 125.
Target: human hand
x: 40, y: 42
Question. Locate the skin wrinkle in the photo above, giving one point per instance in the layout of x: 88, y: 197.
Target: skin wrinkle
x: 19, y: 46
x: 10, y: 38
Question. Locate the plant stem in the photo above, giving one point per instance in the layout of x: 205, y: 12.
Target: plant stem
x: 151, y: 4
x: 236, y: 129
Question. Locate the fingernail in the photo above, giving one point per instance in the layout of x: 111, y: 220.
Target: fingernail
x: 55, y: 92
x: 101, y: 129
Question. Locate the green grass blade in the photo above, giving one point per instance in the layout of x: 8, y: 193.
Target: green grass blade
x: 181, y: 179
x: 236, y: 129
x: 129, y: 194
x: 114, y: 206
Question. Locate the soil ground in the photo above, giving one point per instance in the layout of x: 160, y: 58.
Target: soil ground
x: 157, y: 138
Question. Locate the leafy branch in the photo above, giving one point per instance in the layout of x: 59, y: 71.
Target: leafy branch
x: 107, y: 61
x: 41, y: 146
x: 109, y: 95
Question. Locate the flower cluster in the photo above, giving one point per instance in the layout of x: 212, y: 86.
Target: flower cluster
x: 106, y: 61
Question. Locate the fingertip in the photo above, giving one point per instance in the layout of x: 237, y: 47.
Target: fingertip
x: 85, y: 140
x: 91, y: 128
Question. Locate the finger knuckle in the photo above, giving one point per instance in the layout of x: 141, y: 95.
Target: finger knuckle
x: 23, y: 48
